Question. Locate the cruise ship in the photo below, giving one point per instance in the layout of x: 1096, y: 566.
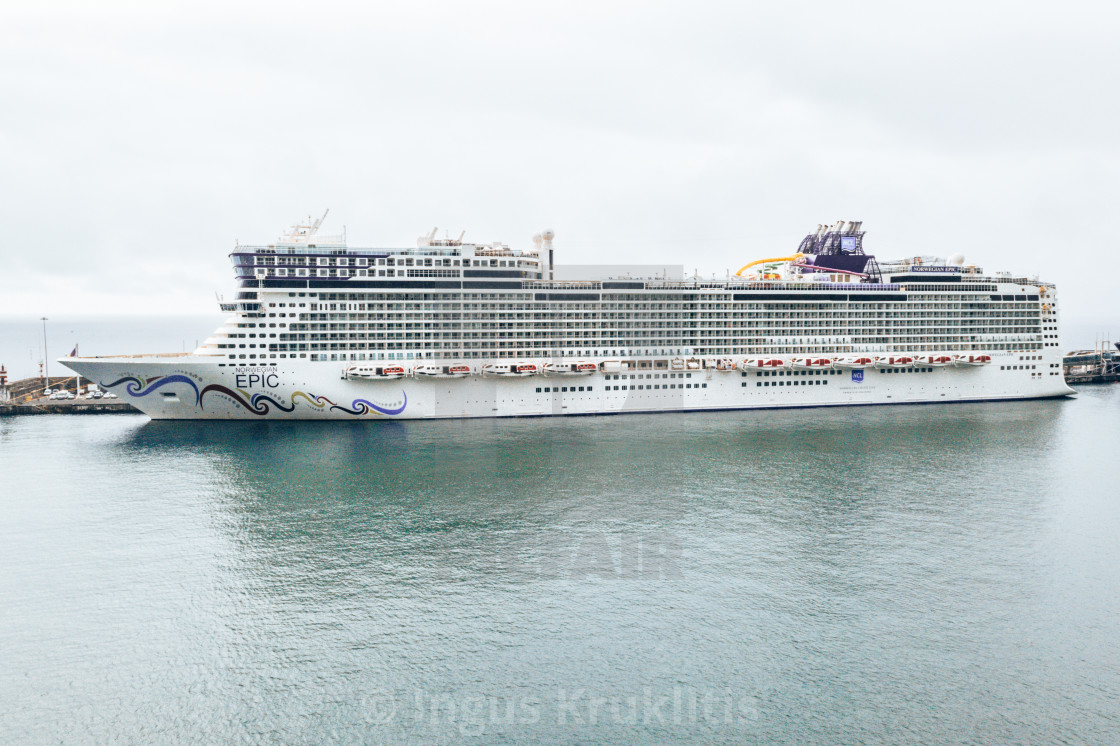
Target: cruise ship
x: 454, y: 329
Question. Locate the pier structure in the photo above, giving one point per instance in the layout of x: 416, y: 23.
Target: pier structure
x: 27, y: 397
x: 1101, y: 365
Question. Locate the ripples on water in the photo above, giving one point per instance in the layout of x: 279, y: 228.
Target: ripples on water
x: 940, y: 573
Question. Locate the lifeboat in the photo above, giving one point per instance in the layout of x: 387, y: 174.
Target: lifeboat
x: 895, y: 361
x: 971, y: 360
x: 676, y: 363
x: 442, y: 371
x: 854, y: 362
x: 510, y: 369
x: 934, y: 361
x: 692, y: 364
x: 373, y: 372
x: 811, y: 363
x: 761, y: 363
x: 579, y: 368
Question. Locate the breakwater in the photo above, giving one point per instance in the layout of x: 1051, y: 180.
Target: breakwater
x: 68, y: 406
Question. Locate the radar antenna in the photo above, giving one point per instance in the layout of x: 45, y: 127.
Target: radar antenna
x: 314, y: 227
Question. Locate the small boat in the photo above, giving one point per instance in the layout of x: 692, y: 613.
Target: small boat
x: 373, y: 372
x: 895, y: 361
x: 854, y: 362
x: 962, y: 361
x: 497, y: 369
x: 578, y: 368
x: 761, y: 363
x: 811, y: 363
x: 510, y: 369
x: 430, y: 370
x: 935, y: 361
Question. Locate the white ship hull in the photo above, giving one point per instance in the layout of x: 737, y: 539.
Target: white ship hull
x: 197, y: 387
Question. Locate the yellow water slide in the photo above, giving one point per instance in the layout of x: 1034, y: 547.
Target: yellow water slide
x: 794, y: 258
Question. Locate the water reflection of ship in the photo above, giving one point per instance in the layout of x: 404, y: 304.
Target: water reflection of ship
x: 395, y: 513
x: 1101, y: 365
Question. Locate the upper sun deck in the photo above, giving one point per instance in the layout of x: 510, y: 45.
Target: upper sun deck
x: 304, y: 258
x: 304, y: 240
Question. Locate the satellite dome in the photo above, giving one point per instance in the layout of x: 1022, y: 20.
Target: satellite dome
x: 548, y: 234
x: 957, y: 259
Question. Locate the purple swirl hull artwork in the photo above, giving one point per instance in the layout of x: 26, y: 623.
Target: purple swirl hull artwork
x: 136, y: 387
x: 260, y: 404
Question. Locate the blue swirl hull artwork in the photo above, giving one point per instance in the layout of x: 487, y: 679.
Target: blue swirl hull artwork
x: 136, y: 387
x: 178, y: 393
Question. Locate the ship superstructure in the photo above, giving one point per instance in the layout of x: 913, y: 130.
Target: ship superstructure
x: 458, y: 329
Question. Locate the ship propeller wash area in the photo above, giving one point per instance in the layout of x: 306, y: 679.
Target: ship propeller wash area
x: 450, y: 329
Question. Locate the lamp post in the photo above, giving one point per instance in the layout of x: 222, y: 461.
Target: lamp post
x: 46, y: 356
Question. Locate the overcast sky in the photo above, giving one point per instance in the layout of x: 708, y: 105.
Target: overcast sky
x: 138, y: 141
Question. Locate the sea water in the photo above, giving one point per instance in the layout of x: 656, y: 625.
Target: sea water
x: 937, y: 573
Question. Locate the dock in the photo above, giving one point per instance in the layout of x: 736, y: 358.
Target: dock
x: 1101, y: 365
x: 25, y: 397
x: 69, y: 406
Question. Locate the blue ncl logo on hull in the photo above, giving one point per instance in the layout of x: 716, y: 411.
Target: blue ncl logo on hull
x: 857, y: 376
